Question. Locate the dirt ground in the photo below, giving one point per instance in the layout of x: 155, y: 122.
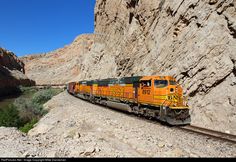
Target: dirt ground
x: 76, y: 128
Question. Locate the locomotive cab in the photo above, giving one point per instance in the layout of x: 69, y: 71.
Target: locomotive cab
x: 164, y: 93
x: 168, y: 93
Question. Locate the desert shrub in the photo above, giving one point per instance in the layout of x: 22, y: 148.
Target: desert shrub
x: 24, y: 113
x: 24, y: 104
x: 28, y: 110
x: 25, y: 110
x: 9, y: 117
x: 43, y: 96
x: 27, y: 89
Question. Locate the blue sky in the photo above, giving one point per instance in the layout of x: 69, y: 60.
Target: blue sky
x: 38, y: 26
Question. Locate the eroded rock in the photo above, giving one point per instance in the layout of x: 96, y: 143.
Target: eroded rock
x: 11, y: 73
x: 191, y: 40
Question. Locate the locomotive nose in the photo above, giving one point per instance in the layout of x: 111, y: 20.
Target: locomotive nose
x: 173, y: 89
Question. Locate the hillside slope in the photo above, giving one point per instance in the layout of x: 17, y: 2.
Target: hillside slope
x: 69, y: 130
x: 192, y: 40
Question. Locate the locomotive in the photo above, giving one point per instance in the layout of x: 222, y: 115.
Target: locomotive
x: 157, y: 97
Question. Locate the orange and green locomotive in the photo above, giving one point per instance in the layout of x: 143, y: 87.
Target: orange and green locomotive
x: 158, y: 97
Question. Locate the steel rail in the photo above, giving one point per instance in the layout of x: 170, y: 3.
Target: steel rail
x: 210, y: 133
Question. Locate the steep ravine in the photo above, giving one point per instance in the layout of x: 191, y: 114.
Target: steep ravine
x: 192, y: 40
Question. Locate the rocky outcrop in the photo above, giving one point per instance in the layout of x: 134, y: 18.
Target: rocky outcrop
x: 59, y: 66
x: 10, y: 60
x: 192, y: 40
x: 11, y: 73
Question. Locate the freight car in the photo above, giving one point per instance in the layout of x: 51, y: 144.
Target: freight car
x: 158, y: 97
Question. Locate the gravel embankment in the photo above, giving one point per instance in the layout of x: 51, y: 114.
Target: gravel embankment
x: 76, y: 128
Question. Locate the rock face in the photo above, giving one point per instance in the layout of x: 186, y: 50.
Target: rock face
x: 59, y: 66
x: 193, y: 40
x: 11, y: 73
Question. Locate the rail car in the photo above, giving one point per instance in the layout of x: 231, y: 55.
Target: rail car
x: 158, y: 97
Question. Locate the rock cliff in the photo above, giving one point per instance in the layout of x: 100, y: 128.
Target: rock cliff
x: 193, y: 40
x: 11, y: 73
x: 59, y: 66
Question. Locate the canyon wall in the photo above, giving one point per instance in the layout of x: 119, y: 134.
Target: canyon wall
x: 192, y: 40
x: 61, y: 65
x: 11, y: 73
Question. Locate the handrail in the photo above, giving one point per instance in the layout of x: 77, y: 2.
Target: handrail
x: 163, y: 102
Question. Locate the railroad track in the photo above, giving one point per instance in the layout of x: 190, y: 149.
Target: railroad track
x: 210, y: 133
x: 51, y: 85
x: 189, y: 128
x: 226, y: 137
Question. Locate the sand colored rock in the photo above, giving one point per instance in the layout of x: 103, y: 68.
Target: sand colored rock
x: 192, y: 40
x: 11, y: 73
x: 59, y: 66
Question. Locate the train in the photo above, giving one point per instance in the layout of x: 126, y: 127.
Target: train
x: 155, y: 97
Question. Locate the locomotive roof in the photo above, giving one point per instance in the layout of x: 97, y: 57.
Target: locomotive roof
x: 167, y: 77
x: 130, y: 80
x: 126, y: 80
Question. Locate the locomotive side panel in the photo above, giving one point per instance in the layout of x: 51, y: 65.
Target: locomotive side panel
x: 84, y: 88
x: 128, y: 93
x: 145, y: 91
x: 130, y: 87
x: 116, y: 91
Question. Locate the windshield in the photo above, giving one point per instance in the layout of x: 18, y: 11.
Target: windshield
x: 160, y: 83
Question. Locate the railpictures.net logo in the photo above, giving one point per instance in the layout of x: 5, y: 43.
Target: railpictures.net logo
x: 31, y: 160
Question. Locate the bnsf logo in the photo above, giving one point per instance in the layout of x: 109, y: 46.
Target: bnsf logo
x: 172, y: 97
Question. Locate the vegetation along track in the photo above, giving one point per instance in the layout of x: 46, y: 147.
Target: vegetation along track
x: 211, y: 133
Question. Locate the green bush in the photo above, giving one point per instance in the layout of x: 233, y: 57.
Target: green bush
x: 29, y: 110
x: 24, y: 108
x: 9, y: 117
x: 27, y: 89
x: 26, y: 105
x: 43, y: 96
x: 24, y: 113
x: 28, y: 126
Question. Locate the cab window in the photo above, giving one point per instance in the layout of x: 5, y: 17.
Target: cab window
x: 146, y: 83
x: 160, y: 83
